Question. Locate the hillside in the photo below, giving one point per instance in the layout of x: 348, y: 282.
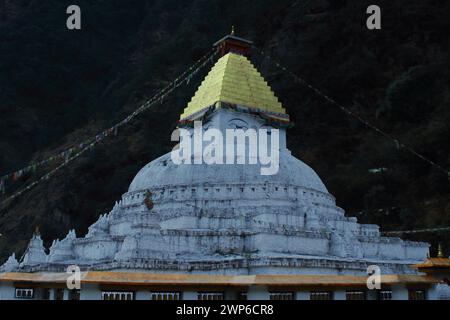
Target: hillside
x: 58, y: 87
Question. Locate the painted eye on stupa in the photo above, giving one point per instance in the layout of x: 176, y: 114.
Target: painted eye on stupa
x: 237, y: 124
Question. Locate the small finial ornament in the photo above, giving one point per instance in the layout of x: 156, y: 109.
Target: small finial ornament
x: 232, y: 30
x: 36, y: 230
x: 440, y: 254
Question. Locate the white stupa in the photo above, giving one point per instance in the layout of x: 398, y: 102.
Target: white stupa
x: 228, y: 219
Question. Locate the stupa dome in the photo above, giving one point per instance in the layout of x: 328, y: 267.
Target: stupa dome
x: 163, y: 172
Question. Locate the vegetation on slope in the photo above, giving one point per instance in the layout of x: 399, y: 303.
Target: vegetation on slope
x: 59, y: 86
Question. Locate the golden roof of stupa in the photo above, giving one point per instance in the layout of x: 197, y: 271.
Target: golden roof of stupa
x: 234, y: 80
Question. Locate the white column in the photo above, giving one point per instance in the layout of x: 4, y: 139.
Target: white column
x: 66, y: 294
x: 90, y: 291
x: 339, y: 295
x: 190, y: 295
x: 7, y: 291
x: 302, y: 295
x: 142, y: 295
x: 399, y: 292
x: 257, y: 293
x: 52, y: 293
x: 432, y: 293
x: 2, y: 291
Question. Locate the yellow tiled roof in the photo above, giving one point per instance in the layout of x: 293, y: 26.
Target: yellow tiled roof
x: 234, y: 80
x: 434, y: 263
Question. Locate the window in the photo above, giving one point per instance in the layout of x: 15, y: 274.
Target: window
x: 117, y: 295
x: 385, y: 295
x: 416, y: 295
x: 210, y: 296
x: 320, y: 295
x: 22, y: 293
x: 165, y: 296
x: 281, y: 296
x: 355, y: 295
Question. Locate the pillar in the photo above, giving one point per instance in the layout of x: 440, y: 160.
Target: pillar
x: 142, y: 295
x: 90, y: 291
x: 66, y: 294
x: 302, y: 295
x: 257, y: 293
x: 399, y: 292
x: 433, y: 292
x: 52, y: 292
x: 190, y: 295
x: 339, y: 295
x: 7, y: 291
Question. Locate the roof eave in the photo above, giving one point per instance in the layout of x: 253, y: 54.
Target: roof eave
x: 232, y: 38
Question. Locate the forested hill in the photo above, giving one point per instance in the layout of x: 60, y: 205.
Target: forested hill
x: 59, y: 86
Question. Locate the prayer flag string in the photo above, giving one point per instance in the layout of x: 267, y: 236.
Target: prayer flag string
x: 68, y: 155
x: 397, y: 143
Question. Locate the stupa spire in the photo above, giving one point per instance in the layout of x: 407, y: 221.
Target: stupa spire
x: 234, y: 82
